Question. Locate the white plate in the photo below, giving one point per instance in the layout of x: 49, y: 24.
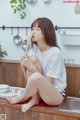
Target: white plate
x: 14, y: 91
x: 4, y: 86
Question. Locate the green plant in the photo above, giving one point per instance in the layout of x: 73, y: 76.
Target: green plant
x: 2, y: 53
x: 19, y: 6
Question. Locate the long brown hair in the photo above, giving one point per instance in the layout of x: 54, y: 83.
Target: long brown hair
x: 47, y: 29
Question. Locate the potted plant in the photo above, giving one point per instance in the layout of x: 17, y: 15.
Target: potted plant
x: 2, y: 53
x: 19, y: 6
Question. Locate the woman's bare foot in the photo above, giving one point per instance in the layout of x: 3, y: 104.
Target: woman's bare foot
x: 28, y: 105
x: 16, y: 99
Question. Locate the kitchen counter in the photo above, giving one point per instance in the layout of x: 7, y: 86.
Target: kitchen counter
x: 17, y: 61
x: 45, y: 110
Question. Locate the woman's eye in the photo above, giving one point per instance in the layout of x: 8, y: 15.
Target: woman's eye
x: 38, y: 29
x: 35, y: 29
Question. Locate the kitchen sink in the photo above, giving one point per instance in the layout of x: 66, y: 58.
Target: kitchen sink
x: 71, y: 104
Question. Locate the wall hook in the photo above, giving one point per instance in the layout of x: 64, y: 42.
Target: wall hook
x: 3, y: 27
x: 11, y: 30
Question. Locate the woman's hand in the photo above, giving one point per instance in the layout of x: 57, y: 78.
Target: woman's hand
x: 27, y: 63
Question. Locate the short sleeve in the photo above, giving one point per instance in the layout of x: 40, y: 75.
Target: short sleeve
x: 55, y: 65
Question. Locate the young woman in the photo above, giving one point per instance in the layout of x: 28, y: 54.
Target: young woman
x: 43, y: 67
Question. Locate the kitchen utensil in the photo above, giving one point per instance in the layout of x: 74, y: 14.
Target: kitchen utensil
x: 17, y: 39
x: 24, y: 45
x: 29, y: 42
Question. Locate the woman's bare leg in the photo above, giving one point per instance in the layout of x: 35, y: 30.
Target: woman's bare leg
x: 27, y: 73
x: 32, y: 102
x: 38, y: 83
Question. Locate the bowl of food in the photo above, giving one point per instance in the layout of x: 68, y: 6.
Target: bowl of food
x: 4, y: 88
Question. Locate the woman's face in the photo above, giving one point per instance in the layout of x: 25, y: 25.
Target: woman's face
x: 37, y: 34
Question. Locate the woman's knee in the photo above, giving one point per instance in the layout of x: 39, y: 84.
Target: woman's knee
x: 34, y: 59
x: 36, y: 62
x: 35, y: 78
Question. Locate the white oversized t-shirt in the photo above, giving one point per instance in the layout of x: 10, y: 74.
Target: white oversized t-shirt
x: 52, y: 65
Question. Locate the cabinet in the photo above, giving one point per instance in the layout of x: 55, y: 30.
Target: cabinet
x: 2, y: 113
x: 73, y: 80
x: 15, y: 114
x: 64, y: 118
x: 11, y: 74
x: 7, y: 113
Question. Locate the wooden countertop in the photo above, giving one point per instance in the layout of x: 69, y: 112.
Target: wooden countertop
x: 9, y: 61
x: 17, y: 61
x: 46, y: 110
